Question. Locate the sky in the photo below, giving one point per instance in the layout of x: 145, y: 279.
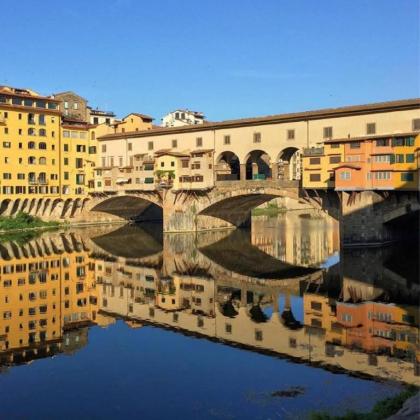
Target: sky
x: 226, y: 58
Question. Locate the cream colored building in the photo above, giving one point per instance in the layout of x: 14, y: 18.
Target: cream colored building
x: 262, y: 147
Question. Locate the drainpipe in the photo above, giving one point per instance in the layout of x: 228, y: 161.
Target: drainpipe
x: 307, y: 133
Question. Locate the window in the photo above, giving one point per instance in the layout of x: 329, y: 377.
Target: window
x: 42, y: 146
x: 66, y: 105
x: 416, y: 124
x: 199, y: 141
x: 315, y: 177
x: 335, y: 159
x: 103, y: 148
x: 290, y: 134
x: 355, y: 145
x: 409, y: 158
x: 258, y: 335
x: 382, y: 158
x: 371, y: 128
x: 226, y: 139
x: 382, y: 142
x: 399, y: 158
x: 75, y: 105
x: 7, y: 144
x: 353, y: 158
x: 174, y: 143
x: 66, y: 133
x: 257, y: 137
x: 328, y: 132
x: 66, y: 147
x: 184, y: 163
x: 7, y: 175
x: 344, y: 176
x: 407, y: 176
x: 79, y: 163
x: 315, y: 161
x: 150, y: 145
x: 317, y: 306
x: 130, y: 147
x: 228, y: 328
x: 382, y: 175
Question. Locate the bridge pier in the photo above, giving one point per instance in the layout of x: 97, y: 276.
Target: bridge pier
x: 366, y: 215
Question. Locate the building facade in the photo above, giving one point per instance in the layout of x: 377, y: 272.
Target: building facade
x: 182, y: 117
x: 30, y: 146
x: 374, y: 162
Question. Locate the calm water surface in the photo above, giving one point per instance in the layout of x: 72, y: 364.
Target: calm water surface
x: 270, y: 323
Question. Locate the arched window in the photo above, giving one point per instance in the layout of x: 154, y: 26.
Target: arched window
x: 32, y: 160
x: 92, y: 135
x: 42, y: 146
x: 31, y: 145
x: 32, y: 177
x: 42, y: 178
x: 42, y: 161
x: 31, y: 131
x: 42, y: 132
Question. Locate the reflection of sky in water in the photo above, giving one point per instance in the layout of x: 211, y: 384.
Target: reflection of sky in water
x: 296, y: 303
x: 331, y: 260
x: 153, y: 373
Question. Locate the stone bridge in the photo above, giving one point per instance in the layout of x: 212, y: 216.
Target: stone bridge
x: 365, y: 217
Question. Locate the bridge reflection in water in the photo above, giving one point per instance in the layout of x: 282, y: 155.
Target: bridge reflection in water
x: 359, y: 316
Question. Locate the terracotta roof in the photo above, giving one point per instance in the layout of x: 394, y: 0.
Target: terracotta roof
x: 197, y: 151
x: 142, y: 116
x: 372, y: 137
x: 24, y: 93
x: 280, y: 118
x: 171, y: 153
x: 348, y: 165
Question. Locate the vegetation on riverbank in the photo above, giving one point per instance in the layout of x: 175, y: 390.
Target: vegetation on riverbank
x: 23, y: 221
x: 381, y: 410
x: 272, y: 209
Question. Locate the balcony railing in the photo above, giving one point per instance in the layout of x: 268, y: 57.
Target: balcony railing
x: 313, y: 151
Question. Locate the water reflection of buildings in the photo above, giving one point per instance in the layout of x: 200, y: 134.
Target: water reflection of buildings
x: 44, y: 301
x: 346, y: 321
x: 299, y: 238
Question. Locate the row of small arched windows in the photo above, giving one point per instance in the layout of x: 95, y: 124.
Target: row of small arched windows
x: 42, y: 132
x: 41, y: 145
x: 41, y: 161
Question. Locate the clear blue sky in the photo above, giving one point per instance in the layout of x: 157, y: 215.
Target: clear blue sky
x: 227, y: 58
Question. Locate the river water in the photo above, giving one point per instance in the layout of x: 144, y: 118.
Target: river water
x: 271, y: 323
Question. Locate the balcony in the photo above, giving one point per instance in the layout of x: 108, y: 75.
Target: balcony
x: 313, y: 151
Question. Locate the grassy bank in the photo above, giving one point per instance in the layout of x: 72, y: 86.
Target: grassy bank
x: 23, y: 221
x: 272, y: 209
x: 381, y: 410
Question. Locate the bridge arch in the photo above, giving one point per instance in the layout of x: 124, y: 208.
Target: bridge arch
x: 129, y: 207
x: 235, y: 205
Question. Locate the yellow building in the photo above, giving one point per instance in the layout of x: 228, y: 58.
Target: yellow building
x: 40, y: 298
x: 133, y: 122
x: 30, y: 147
x: 319, y: 165
x: 78, y: 159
